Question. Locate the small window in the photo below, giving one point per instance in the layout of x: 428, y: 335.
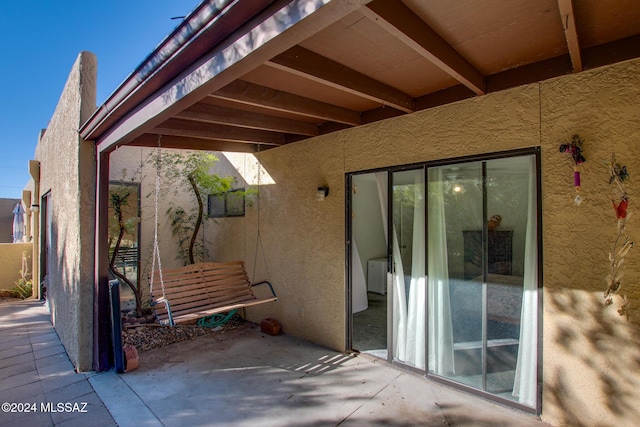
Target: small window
x: 226, y: 204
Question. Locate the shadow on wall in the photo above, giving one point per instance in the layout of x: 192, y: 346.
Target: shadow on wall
x: 589, y: 335
x: 66, y: 293
x: 11, y: 262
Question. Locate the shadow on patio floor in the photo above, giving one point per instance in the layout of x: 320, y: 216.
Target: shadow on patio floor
x: 249, y: 378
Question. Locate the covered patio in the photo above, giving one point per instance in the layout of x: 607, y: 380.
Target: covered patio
x: 318, y: 90
x: 253, y: 76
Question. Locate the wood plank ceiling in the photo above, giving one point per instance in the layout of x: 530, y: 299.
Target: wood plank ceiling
x: 395, y: 57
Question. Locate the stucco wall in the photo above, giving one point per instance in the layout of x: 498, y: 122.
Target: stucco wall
x: 301, y: 247
x: 304, y: 240
x: 11, y: 263
x: 67, y: 171
x: 590, y: 366
x: 223, y: 238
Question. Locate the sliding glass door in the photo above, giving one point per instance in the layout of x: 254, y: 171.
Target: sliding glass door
x: 458, y: 243
x: 482, y: 267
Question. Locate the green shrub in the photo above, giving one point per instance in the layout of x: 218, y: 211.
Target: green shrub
x: 22, y: 289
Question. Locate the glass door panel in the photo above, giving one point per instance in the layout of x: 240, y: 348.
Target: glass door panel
x: 408, y: 256
x: 368, y: 267
x: 482, y: 268
x: 507, y: 199
x: 455, y: 272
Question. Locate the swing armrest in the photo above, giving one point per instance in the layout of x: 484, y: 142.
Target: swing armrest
x: 167, y: 306
x: 265, y: 282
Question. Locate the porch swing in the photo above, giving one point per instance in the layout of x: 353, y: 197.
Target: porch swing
x: 199, y: 290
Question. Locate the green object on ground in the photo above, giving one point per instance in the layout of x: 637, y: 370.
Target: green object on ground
x: 216, y: 319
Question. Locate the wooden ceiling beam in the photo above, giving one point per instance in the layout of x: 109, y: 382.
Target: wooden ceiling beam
x: 168, y: 141
x: 310, y: 65
x: 280, y: 26
x: 189, y: 129
x: 570, y: 33
x: 214, y: 114
x: 401, y: 22
x: 271, y: 99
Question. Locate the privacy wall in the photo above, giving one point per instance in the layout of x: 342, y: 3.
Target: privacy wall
x: 67, y: 176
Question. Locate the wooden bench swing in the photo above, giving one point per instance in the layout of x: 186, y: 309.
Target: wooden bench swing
x: 199, y: 290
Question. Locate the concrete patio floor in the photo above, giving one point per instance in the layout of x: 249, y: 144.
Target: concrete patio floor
x: 243, y: 377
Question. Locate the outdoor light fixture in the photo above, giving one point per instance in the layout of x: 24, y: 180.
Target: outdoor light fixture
x: 322, y: 193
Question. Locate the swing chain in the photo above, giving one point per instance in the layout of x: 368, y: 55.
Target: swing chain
x: 156, y: 248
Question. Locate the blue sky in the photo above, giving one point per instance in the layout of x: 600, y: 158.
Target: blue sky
x: 39, y: 42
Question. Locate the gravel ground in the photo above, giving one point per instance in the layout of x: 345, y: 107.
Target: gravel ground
x: 145, y: 337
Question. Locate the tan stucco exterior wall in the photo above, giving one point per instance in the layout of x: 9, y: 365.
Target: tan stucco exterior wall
x: 591, y: 364
x: 67, y: 171
x: 11, y: 263
x: 591, y: 371
x: 304, y: 240
x: 222, y: 237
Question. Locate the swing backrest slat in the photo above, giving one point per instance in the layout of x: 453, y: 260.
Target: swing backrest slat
x: 203, y: 289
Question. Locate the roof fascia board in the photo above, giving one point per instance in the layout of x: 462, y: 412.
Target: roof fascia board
x: 278, y: 28
x: 203, y: 18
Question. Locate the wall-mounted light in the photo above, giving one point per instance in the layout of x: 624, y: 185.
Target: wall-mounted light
x: 35, y: 208
x: 322, y: 193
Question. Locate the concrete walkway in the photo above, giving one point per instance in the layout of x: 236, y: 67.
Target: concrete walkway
x: 38, y: 384
x: 237, y: 378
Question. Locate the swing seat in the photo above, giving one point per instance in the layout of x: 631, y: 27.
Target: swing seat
x: 203, y: 289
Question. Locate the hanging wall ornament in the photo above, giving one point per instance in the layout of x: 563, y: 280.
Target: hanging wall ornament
x: 574, y: 149
x: 618, y: 175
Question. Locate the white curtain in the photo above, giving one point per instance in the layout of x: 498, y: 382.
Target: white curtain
x: 524, y: 387
x: 409, y: 314
x: 398, y: 294
x: 402, y: 330
x: 440, y: 327
x: 359, y: 300
x: 416, y: 309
